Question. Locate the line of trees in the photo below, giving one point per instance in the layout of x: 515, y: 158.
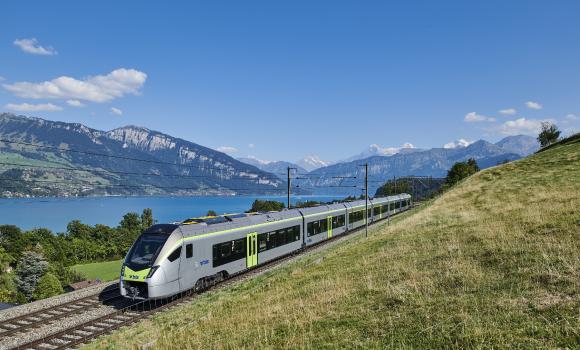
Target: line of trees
x: 36, y: 264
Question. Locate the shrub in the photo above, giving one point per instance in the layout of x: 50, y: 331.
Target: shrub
x: 47, y: 286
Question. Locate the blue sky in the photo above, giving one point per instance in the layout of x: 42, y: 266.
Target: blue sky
x: 284, y: 79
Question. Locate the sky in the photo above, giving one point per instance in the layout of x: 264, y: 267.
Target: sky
x: 279, y: 80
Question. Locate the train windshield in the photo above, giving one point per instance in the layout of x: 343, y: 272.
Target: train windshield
x: 145, y: 250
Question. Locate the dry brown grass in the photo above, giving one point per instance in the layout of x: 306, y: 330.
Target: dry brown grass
x: 493, y: 263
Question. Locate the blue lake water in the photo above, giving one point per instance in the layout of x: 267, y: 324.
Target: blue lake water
x: 56, y: 213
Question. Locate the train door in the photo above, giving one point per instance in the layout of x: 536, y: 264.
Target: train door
x: 251, y: 249
x: 329, y: 225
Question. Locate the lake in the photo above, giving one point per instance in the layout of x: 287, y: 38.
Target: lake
x: 56, y: 213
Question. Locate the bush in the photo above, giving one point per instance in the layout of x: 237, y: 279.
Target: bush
x: 47, y: 286
x: 211, y: 213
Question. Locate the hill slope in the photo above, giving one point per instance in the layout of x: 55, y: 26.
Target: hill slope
x: 493, y: 263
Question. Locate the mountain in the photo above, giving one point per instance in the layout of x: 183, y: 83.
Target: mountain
x: 376, y: 150
x: 434, y: 162
x: 312, y: 162
x: 520, y: 144
x: 278, y: 168
x: 138, y: 161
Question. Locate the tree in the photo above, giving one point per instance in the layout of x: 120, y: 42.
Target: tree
x: 147, y: 218
x: 549, y: 134
x: 460, y: 171
x: 131, y: 222
x: 260, y: 205
x: 7, y: 288
x: 31, y: 267
x: 395, y: 186
x: 5, y: 260
x: 47, y: 286
x: 211, y: 213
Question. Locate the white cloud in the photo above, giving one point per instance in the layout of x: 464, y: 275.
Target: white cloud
x: 251, y: 145
x: 116, y: 111
x: 571, y: 118
x: 521, y: 126
x: 458, y: 143
x: 99, y: 88
x: 533, y: 105
x: 474, y: 117
x: 508, y: 111
x: 32, y: 46
x: 74, y: 103
x: 227, y: 149
x: 27, y: 107
x: 375, y: 149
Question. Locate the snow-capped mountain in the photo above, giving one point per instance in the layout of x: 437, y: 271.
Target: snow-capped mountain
x: 376, y: 150
x: 312, y: 162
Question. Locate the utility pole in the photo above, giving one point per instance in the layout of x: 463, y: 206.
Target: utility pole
x: 289, y: 186
x: 367, y: 199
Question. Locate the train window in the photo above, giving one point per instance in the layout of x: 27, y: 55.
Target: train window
x: 377, y: 211
x: 189, y: 250
x: 338, y: 221
x: 385, y: 208
x: 356, y: 216
x: 175, y: 255
x: 145, y: 250
x: 262, y: 242
x: 229, y: 251
x: 391, y: 206
x: 271, y: 240
x: 369, y: 213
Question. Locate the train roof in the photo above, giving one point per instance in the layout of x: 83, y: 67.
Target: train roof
x: 202, y: 225
x: 234, y: 221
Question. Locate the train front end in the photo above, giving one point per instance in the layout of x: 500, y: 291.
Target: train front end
x: 142, y: 274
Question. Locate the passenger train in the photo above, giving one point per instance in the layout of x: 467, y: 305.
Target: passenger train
x: 168, y: 259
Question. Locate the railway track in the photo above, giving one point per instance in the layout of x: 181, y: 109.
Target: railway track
x: 134, y: 312
x: 54, y: 313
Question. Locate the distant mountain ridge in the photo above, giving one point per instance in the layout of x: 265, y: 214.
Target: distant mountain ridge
x: 520, y: 144
x: 197, y: 169
x: 434, y: 162
x: 278, y: 168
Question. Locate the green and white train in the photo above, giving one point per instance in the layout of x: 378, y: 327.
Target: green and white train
x: 168, y: 259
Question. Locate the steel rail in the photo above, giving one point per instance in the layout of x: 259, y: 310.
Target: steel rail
x: 53, y: 313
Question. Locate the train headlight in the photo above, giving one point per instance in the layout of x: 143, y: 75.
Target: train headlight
x: 152, y: 271
x: 123, y: 270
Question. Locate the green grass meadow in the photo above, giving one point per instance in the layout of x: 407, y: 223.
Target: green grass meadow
x: 494, y: 263
x: 105, y: 271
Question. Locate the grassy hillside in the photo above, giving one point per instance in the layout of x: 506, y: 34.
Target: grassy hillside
x: 493, y: 263
x: 105, y: 271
